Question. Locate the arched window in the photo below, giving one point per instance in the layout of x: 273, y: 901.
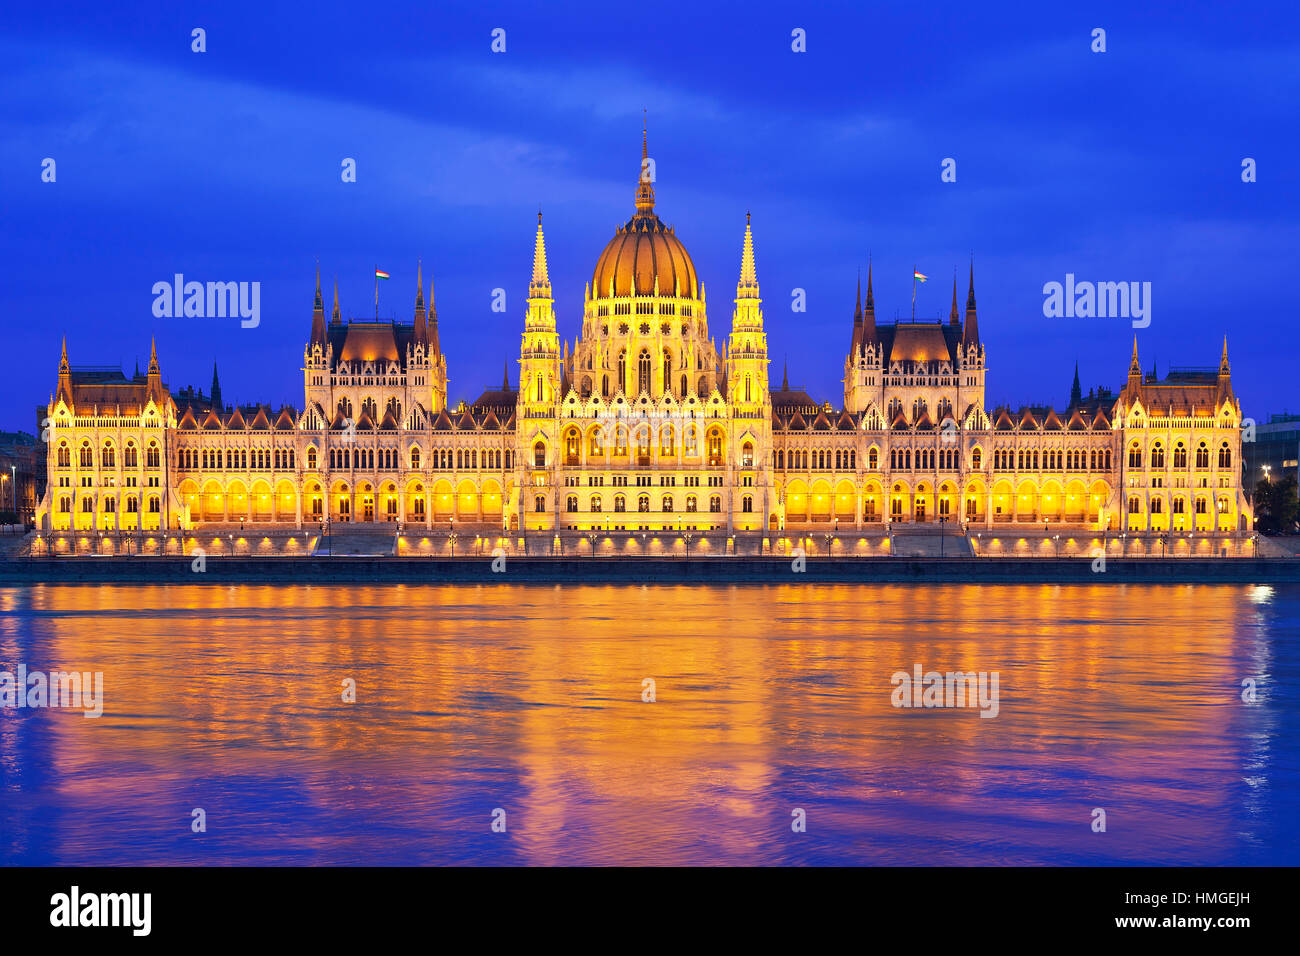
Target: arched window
x: 873, y: 459
x: 747, y: 504
x: 620, y: 504
x: 129, y: 457
x: 622, y: 370
x: 595, y: 504
x: 747, y: 455
x: 976, y: 459
x: 87, y: 456
x: 715, y: 447
x: 1158, y: 456
x: 643, y: 503
x: 747, y: 388
x: 690, y: 504
x: 715, y: 505
x: 668, y: 371
x: 538, y: 389
x: 1202, y: 456
x: 571, y: 441
x: 539, y: 503
x: 643, y: 372
x: 1180, y: 456
x: 65, y: 455
x: 571, y: 503
x: 151, y: 455
x: 1135, y: 455
x: 585, y: 390
x: 311, y: 457
x: 667, y: 503
x: 1225, y: 456
x: 539, y: 455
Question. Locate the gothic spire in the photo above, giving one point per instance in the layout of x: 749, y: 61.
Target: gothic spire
x: 953, y: 316
x: 317, y: 313
x: 1224, y: 367
x: 1076, y: 391
x: 856, y: 343
x: 970, y: 333
x: 747, y: 287
x: 540, y: 286
x: 216, y: 388
x: 432, y: 338
x: 785, y: 376
x: 336, y: 316
x: 421, y: 323
x: 869, y: 313
x: 505, y: 378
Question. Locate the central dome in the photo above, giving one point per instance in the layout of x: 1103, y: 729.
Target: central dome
x: 642, y: 251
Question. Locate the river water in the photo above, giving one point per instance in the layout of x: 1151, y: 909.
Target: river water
x: 772, y: 704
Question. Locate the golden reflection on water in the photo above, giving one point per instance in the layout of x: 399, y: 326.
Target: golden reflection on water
x: 529, y: 698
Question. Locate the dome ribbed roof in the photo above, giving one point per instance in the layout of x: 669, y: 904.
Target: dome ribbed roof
x: 641, y: 251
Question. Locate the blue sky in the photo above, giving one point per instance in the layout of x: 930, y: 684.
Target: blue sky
x: 225, y: 166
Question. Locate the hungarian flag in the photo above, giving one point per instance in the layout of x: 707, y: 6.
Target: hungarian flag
x: 917, y: 275
x: 381, y: 274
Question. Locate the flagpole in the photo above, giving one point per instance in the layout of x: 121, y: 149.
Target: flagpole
x: 377, y: 292
x: 913, y: 293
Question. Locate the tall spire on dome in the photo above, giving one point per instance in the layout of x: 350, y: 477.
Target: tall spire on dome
x: 645, y: 190
x: 747, y: 287
x: 1076, y: 390
x: 540, y: 286
x: 421, y: 322
x: 953, y: 315
x: 970, y: 333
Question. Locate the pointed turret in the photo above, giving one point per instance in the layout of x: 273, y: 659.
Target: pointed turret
x: 318, y: 313
x: 155, y: 374
x: 336, y: 317
x: 505, y: 377
x: 1076, y: 392
x: 855, y: 345
x: 421, y: 320
x: 216, y: 388
x: 432, y: 338
x: 1135, y: 364
x: 540, y: 286
x: 785, y: 376
x: 869, y: 313
x: 65, y: 376
x: 953, y: 316
x: 1225, y: 370
x: 747, y: 287
x: 970, y: 333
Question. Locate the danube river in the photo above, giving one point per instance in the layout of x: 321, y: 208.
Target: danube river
x: 767, y: 701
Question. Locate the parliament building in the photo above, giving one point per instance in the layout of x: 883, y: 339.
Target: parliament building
x: 643, y: 424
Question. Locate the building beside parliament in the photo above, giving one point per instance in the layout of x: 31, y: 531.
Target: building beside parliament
x: 644, y: 424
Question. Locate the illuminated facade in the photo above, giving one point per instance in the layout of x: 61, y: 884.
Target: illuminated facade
x: 644, y: 425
